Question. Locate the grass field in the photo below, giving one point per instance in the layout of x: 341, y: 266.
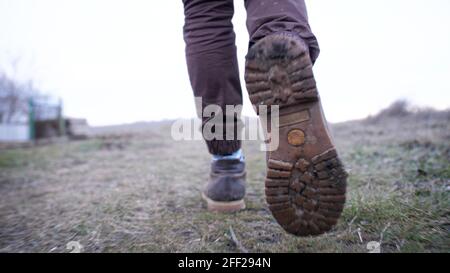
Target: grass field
x: 140, y: 192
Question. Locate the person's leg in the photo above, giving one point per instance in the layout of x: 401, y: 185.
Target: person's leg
x: 265, y: 17
x: 212, y: 62
x: 306, y: 181
x: 214, y: 75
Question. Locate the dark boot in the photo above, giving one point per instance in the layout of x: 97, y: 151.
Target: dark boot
x: 306, y: 181
x: 225, y: 191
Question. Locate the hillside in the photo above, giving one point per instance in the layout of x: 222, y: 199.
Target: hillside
x: 139, y: 191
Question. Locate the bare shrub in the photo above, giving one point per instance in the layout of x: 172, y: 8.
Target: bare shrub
x: 13, y: 99
x: 403, y: 109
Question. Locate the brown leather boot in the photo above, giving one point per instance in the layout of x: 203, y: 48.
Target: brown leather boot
x: 306, y: 181
x: 225, y: 191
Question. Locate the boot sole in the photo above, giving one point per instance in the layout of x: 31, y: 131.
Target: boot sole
x: 218, y: 206
x: 306, y: 182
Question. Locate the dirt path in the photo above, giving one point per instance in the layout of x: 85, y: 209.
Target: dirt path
x: 140, y: 192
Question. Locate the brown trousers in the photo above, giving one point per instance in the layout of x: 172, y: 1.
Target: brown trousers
x: 211, y: 51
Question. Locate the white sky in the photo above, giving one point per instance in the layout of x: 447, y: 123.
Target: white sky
x: 117, y: 61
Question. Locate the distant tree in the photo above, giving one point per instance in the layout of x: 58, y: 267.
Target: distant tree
x: 13, y: 99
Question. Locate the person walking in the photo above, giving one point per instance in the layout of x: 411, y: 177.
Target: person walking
x: 305, y: 182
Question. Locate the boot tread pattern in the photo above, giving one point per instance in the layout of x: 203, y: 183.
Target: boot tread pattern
x: 286, y: 77
x: 305, y: 190
x: 308, y: 199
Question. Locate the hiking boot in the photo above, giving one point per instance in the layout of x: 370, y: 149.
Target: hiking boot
x: 225, y: 191
x: 306, y: 182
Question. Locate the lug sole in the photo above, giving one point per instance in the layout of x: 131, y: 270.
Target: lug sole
x: 306, y: 182
x: 223, y: 207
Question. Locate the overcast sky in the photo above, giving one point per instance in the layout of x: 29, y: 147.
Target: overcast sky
x: 117, y: 61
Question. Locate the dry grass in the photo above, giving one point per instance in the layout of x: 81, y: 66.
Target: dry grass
x: 140, y: 192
